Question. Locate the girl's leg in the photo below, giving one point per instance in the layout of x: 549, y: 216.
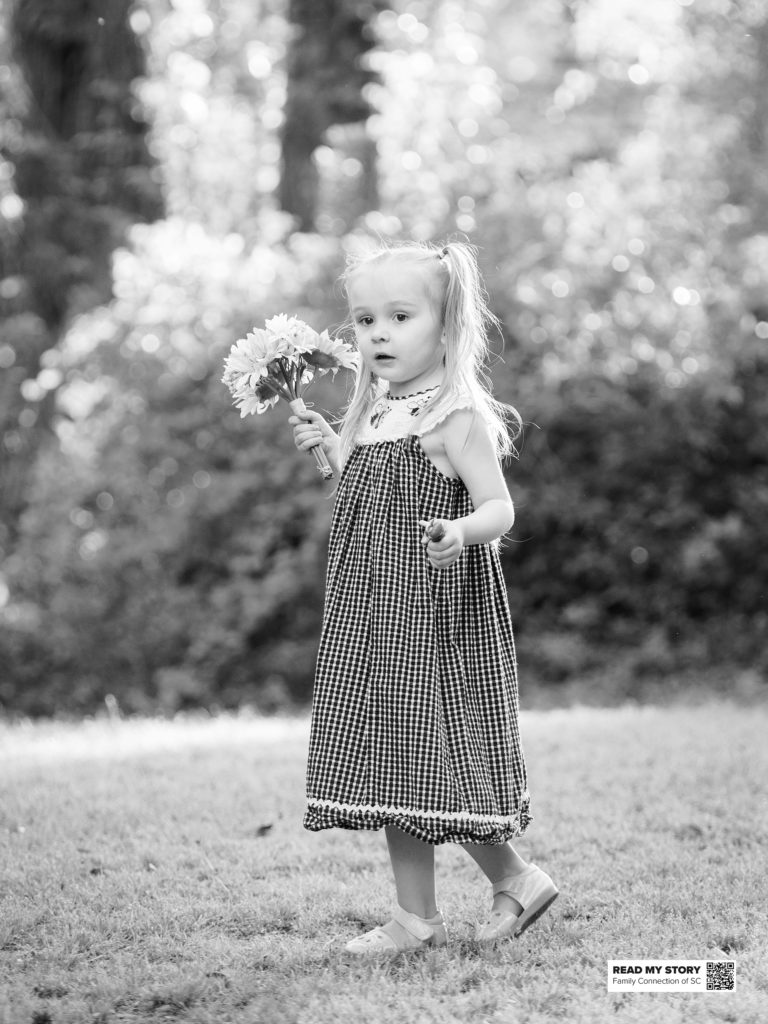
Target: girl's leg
x: 413, y: 865
x: 497, y: 862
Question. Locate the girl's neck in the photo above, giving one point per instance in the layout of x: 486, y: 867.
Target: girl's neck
x: 428, y: 382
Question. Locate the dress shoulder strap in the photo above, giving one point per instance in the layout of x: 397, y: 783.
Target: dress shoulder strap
x: 434, y: 417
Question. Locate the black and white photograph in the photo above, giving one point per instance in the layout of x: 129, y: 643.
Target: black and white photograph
x: 383, y: 511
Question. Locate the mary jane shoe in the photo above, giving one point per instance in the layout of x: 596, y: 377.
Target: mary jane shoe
x: 420, y: 934
x: 533, y: 889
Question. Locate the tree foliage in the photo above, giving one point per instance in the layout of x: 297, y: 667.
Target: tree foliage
x: 609, y: 160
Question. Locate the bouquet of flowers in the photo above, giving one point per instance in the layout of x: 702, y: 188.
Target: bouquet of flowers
x: 281, y: 361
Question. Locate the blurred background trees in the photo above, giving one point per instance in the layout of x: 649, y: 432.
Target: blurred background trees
x: 76, y: 173
x: 173, y: 172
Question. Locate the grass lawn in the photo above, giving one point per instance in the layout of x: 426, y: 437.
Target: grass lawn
x: 158, y: 871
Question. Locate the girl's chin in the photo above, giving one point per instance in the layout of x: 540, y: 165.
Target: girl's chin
x: 390, y: 373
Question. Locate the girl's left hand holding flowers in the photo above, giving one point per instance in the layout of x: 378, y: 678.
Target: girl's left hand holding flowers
x: 443, y: 540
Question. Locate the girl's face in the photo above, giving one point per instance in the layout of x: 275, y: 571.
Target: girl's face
x: 397, y: 326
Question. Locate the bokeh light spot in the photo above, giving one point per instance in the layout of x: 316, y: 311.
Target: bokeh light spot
x: 593, y: 321
x: 11, y: 206
x: 150, y: 343
x: 140, y: 21
x: 638, y: 74
x: 259, y: 62
x: 351, y: 167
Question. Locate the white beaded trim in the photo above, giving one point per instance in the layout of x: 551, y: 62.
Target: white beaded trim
x: 411, y: 812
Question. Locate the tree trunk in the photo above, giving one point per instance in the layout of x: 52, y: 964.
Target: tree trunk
x: 82, y: 171
x: 299, y: 178
x: 325, y: 87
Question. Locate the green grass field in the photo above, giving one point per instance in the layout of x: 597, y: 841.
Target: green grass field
x: 158, y: 871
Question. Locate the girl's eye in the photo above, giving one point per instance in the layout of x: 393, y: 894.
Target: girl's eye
x: 401, y: 317
x: 365, y: 321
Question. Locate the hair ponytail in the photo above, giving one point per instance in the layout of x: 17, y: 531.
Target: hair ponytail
x: 467, y: 320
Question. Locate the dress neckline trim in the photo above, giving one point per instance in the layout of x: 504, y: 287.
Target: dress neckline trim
x: 413, y: 394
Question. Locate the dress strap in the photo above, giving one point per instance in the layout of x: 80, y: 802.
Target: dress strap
x: 434, y: 417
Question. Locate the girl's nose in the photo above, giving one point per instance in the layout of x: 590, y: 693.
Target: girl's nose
x: 380, y: 333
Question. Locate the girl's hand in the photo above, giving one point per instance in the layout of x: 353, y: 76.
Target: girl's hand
x: 311, y: 429
x: 448, y: 547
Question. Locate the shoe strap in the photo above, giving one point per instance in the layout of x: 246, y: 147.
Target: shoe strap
x: 413, y: 924
x: 511, y: 884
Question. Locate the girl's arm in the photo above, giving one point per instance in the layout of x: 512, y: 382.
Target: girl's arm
x: 471, y: 452
x: 310, y: 429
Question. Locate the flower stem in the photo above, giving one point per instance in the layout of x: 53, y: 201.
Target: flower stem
x: 269, y: 382
x: 292, y: 389
x: 299, y: 374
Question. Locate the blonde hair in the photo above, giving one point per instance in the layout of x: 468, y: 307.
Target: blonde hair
x: 454, y: 281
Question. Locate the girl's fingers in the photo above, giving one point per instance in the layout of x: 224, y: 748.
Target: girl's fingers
x: 309, y: 440
x: 310, y: 423
x: 441, y: 550
x: 434, y: 529
x: 306, y: 435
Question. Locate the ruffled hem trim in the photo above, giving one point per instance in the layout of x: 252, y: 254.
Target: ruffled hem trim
x: 434, y: 827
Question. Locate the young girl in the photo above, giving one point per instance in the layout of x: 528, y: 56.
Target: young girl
x: 414, y: 719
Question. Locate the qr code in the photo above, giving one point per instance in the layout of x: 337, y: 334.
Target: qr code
x: 720, y: 975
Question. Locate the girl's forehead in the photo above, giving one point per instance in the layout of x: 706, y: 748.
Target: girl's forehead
x: 388, y: 281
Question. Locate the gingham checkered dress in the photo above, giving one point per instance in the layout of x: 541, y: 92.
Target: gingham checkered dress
x: 415, y: 709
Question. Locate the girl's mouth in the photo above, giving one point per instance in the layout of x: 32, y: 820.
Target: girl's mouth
x: 382, y: 357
